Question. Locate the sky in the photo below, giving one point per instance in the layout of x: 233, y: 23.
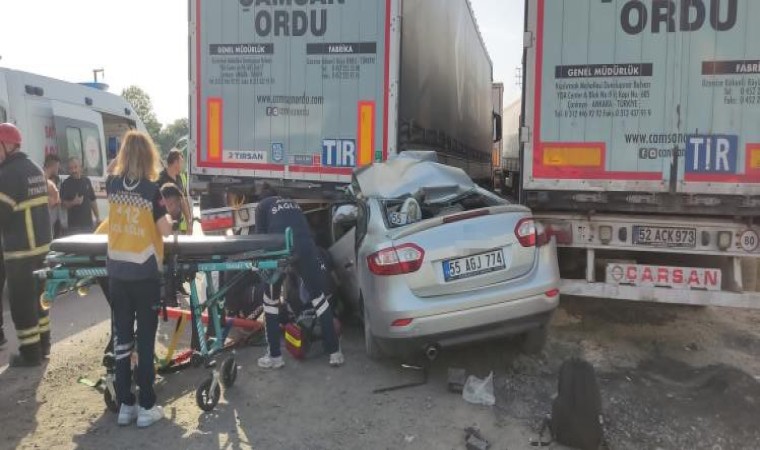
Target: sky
x: 144, y: 43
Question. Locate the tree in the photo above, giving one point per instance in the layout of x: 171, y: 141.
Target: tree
x: 141, y: 103
x: 171, y: 133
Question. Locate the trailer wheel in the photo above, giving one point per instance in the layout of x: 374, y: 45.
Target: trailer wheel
x: 205, y: 398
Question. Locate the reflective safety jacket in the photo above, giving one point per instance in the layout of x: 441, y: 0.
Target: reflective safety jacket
x: 24, y: 216
x: 135, y: 246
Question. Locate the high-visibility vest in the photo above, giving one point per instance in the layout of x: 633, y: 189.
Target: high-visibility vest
x: 182, y: 221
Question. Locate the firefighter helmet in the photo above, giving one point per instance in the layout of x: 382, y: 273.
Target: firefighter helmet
x: 9, y: 134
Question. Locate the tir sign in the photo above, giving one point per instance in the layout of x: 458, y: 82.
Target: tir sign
x: 339, y: 153
x: 712, y: 154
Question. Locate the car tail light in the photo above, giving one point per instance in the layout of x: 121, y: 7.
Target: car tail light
x: 401, y: 322
x: 466, y: 215
x: 530, y: 233
x: 552, y: 293
x: 406, y: 258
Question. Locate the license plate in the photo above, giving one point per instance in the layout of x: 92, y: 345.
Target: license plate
x: 665, y: 236
x: 456, y: 269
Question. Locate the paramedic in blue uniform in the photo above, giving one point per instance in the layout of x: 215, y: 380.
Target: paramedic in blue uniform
x: 26, y: 235
x: 137, y: 220
x: 274, y: 215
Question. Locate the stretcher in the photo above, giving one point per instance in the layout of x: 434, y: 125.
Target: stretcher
x: 77, y: 262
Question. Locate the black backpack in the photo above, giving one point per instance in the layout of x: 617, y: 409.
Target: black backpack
x: 576, y: 412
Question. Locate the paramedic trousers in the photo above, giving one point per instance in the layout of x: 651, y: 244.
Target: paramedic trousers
x: 135, y: 300
x: 31, y: 321
x: 104, y: 286
x: 307, y: 268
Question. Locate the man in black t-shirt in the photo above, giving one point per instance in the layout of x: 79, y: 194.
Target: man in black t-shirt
x: 172, y: 174
x: 78, y: 197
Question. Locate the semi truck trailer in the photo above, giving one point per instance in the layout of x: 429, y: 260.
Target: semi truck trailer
x: 640, y: 146
x: 300, y: 94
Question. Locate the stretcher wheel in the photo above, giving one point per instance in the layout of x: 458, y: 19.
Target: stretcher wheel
x: 205, y: 398
x: 229, y: 372
x: 110, y: 401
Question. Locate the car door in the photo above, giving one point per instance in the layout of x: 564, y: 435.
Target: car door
x: 343, y: 250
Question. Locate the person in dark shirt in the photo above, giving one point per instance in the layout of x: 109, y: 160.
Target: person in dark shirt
x: 172, y: 174
x: 172, y: 200
x: 78, y: 197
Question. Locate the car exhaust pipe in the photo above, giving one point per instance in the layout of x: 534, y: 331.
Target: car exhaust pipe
x: 431, y: 351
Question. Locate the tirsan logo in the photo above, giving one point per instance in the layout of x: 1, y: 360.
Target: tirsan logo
x: 669, y: 16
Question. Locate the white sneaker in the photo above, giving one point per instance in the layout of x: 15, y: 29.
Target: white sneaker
x: 268, y: 362
x: 147, y: 417
x: 337, y: 359
x: 127, y: 414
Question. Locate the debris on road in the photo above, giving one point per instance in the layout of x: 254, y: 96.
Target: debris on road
x: 422, y: 382
x: 479, y: 391
x: 456, y: 379
x: 474, y: 440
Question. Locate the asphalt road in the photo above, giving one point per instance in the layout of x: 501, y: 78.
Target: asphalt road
x: 70, y: 314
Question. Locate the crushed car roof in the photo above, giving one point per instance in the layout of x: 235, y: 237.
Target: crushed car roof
x: 412, y: 175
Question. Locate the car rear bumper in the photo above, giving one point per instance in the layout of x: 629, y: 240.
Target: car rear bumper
x: 501, y: 309
x: 437, y: 334
x: 464, y: 327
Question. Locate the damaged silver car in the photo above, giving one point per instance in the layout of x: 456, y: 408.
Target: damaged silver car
x: 430, y: 260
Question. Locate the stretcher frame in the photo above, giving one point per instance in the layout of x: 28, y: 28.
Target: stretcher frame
x: 69, y: 272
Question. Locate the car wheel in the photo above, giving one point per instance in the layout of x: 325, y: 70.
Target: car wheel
x: 534, y: 340
x: 370, y: 343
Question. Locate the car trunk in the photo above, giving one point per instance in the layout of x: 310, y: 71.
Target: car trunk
x: 467, y: 251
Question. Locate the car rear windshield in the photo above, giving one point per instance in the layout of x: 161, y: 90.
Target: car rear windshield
x: 403, y: 211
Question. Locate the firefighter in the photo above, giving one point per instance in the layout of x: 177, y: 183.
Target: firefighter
x: 274, y: 214
x: 25, y: 224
